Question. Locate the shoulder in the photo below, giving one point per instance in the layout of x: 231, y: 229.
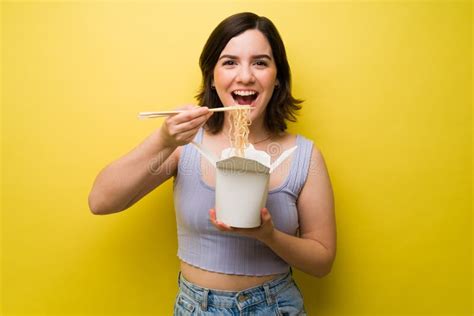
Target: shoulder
x: 310, y: 154
x: 313, y: 153
x: 286, y: 137
x: 317, y: 193
x: 306, y: 146
x: 318, y: 174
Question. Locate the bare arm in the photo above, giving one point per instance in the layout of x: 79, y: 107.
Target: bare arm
x: 126, y: 180
x: 315, y: 250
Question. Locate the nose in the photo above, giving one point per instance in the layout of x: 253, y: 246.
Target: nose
x: 245, y: 75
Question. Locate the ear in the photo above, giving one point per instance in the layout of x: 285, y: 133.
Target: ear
x: 277, y: 84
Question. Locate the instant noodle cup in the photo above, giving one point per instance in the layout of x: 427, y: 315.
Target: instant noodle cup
x: 242, y: 184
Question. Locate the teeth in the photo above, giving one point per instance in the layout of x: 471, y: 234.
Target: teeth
x: 244, y: 93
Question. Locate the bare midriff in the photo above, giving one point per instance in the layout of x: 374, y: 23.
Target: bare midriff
x: 221, y: 281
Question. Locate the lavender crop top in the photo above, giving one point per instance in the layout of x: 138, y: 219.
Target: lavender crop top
x: 203, y: 246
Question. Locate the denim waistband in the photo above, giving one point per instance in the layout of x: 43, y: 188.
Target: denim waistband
x: 228, y: 299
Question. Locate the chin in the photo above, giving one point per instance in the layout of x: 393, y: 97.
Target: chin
x: 257, y: 114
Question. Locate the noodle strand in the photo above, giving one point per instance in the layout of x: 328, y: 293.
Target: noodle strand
x: 239, y: 130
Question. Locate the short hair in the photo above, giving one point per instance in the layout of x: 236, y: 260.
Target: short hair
x: 282, y: 105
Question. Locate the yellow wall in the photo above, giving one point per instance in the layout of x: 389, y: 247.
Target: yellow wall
x: 388, y: 100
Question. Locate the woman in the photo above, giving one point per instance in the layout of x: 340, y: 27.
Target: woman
x: 226, y: 270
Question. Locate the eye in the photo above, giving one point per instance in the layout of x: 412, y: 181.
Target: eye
x: 228, y: 63
x: 261, y: 63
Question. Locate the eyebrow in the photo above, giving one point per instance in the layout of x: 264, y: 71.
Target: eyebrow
x: 253, y: 57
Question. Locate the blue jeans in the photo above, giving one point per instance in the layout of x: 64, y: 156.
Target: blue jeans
x: 276, y: 297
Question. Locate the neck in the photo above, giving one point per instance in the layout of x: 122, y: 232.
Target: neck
x: 258, y: 134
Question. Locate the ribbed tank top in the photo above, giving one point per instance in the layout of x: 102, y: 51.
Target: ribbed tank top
x: 202, y: 245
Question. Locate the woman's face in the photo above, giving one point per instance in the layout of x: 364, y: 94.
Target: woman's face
x: 246, y: 73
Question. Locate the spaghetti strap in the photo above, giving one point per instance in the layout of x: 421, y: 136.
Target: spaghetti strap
x: 300, y: 166
x: 199, y: 136
x: 190, y: 157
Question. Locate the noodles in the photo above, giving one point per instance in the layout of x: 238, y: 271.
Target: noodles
x: 239, y: 130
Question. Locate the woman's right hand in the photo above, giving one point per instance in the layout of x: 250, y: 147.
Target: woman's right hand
x: 180, y: 129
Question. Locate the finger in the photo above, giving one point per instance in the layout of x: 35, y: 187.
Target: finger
x: 185, y: 132
x: 188, y: 107
x: 266, y: 216
x: 218, y: 224
x: 212, y: 215
x: 224, y: 227
x: 181, y: 127
x: 212, y: 218
x: 197, y: 122
x: 188, y: 136
x: 190, y: 114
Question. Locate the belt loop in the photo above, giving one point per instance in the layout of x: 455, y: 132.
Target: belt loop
x: 204, y: 299
x: 179, y: 279
x: 267, y: 294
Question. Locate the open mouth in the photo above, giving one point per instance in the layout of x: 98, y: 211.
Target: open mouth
x: 244, y: 97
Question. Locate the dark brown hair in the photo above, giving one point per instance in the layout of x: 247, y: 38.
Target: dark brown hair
x: 282, y: 105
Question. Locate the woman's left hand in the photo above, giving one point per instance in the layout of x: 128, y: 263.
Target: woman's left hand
x: 262, y: 233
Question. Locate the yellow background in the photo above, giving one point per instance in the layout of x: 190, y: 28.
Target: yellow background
x: 388, y: 101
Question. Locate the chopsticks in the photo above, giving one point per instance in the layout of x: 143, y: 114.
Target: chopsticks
x: 143, y: 115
